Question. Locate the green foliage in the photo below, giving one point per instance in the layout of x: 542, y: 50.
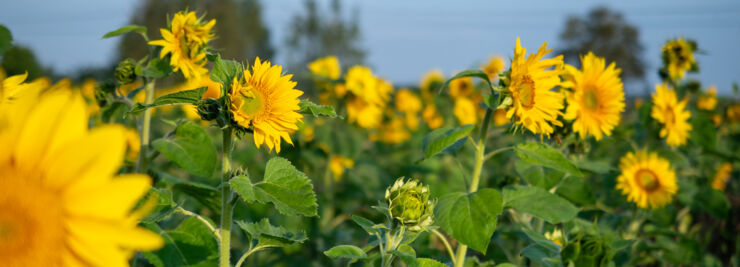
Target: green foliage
x: 424, y: 262
x: 127, y: 29
x: 266, y: 235
x: 470, y: 217
x: 164, y: 207
x: 311, y: 108
x: 546, y: 156
x: 467, y: 73
x: 6, y: 40
x: 576, y: 190
x: 155, y: 68
x: 190, y: 244
x: 539, y: 203
x: 191, y: 149
x: 406, y: 253
x: 225, y: 71
x: 445, y: 140
x: 347, y: 252
x: 178, y: 98
x: 536, y: 176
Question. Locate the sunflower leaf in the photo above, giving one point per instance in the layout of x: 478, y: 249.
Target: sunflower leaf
x: 467, y: 73
x: 287, y: 188
x: 546, y: 156
x: 271, y: 236
x: 191, y: 149
x: 470, y: 217
x: 183, y: 97
x: 310, y: 108
x: 346, y: 251
x: 539, y: 203
x: 190, y: 244
x: 224, y: 71
x: 444, y: 140
x: 126, y: 29
x: 156, y: 68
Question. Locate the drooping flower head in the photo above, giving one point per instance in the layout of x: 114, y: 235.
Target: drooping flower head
x: 61, y: 201
x: 597, y: 99
x: 409, y: 204
x: 531, y: 79
x: 266, y: 101
x: 326, y: 67
x: 678, y: 57
x: 185, y: 41
x: 493, y: 67
x: 672, y: 114
x: 647, y: 179
x: 708, y: 101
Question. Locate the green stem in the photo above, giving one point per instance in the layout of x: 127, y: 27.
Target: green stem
x: 200, y: 218
x: 226, y: 205
x: 250, y: 252
x: 480, y: 156
x: 143, y: 164
x: 447, y: 245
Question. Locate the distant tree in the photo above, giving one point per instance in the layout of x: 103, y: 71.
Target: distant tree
x: 315, y: 34
x: 608, y: 35
x: 19, y: 60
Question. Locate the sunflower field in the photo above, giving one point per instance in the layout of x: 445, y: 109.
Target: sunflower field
x: 525, y: 161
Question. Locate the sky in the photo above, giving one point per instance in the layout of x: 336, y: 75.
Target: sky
x: 405, y: 39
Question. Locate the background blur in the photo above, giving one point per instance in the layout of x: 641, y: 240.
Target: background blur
x: 400, y: 40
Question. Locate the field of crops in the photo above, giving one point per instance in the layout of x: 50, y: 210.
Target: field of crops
x: 525, y: 161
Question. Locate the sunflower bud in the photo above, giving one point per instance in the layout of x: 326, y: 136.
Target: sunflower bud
x: 125, y: 72
x: 208, y: 109
x: 409, y: 204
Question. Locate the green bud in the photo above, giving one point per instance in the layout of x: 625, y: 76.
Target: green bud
x: 126, y: 71
x: 409, y: 204
x: 209, y: 109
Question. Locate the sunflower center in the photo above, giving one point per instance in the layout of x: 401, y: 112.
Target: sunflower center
x: 252, y: 102
x: 525, y: 92
x: 647, y: 180
x: 590, y: 100
x: 669, y: 117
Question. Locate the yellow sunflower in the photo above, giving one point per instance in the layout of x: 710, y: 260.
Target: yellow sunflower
x: 733, y: 113
x: 186, y: 41
x: 362, y: 83
x: 722, y: 176
x: 366, y: 115
x: 61, y: 202
x: 672, y: 114
x: 499, y: 117
x: 406, y: 101
x: 462, y: 87
x: 708, y: 101
x: 337, y: 165
x: 647, y: 179
x: 267, y: 102
x: 534, y: 105
x: 433, y: 119
x: 465, y: 111
x: 393, y: 132
x: 494, y: 66
x: 429, y: 83
x: 678, y: 56
x: 597, y: 99
x: 326, y: 67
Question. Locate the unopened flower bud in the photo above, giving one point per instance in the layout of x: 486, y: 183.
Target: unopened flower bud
x: 125, y: 72
x: 208, y: 109
x: 409, y: 204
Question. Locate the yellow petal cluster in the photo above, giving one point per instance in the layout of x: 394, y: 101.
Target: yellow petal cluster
x: 708, y: 101
x: 646, y: 179
x: 185, y: 41
x: 678, y: 57
x: 672, y: 114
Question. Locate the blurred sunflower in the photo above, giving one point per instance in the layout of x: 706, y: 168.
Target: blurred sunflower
x: 647, y: 179
x: 534, y: 105
x: 722, y: 176
x: 733, y: 113
x: 556, y: 236
x: 338, y: 164
x: 186, y: 40
x: 326, y: 67
x: 708, y: 101
x: 672, y: 114
x: 493, y: 67
x: 61, y: 200
x: 365, y: 115
x: 362, y: 83
x: 678, y: 57
x: 429, y: 83
x: 433, y: 119
x: 267, y: 102
x: 597, y: 99
x: 462, y: 87
x: 133, y: 144
x: 499, y: 117
x: 464, y: 111
x: 406, y: 101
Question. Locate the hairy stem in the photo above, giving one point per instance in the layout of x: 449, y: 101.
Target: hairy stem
x: 142, y: 165
x: 226, y: 205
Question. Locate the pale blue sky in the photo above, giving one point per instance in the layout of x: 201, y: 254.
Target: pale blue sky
x: 407, y: 38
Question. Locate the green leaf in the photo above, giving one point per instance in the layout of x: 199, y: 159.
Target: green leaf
x: 467, y: 73
x: 704, y: 134
x: 366, y: 224
x: 224, y: 71
x: 470, y: 217
x: 426, y: 262
x: 311, y: 108
x: 191, y: 149
x: 444, y: 140
x: 156, y: 68
x: 165, y: 205
x: 346, y: 251
x: 183, y: 97
x: 542, y: 255
x: 505, y: 264
x: 539, y: 203
x: 6, y: 40
x: 406, y: 253
x: 126, y: 29
x: 536, y: 176
x: 576, y: 190
x: 190, y: 244
x: 546, y: 156
x: 600, y: 167
x: 287, y: 188
x: 541, y: 240
x: 712, y: 201
x: 268, y: 235
x: 208, y: 196
x: 243, y: 187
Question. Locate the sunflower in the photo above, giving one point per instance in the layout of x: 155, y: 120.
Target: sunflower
x: 647, y: 179
x: 433, y: 119
x: 534, y: 105
x: 672, y: 114
x: 597, y: 98
x: 267, y: 102
x: 556, y: 236
x: 462, y: 87
x: 494, y: 66
x: 407, y: 102
x: 361, y: 82
x: 429, y: 82
x: 722, y: 176
x: 61, y: 200
x: 186, y: 40
x: 678, y: 57
x: 366, y: 115
x: 499, y: 117
x: 393, y: 132
x: 337, y: 165
x: 326, y: 67
x: 708, y: 101
x: 464, y: 111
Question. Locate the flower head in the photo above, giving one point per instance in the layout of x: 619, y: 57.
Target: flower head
x: 326, y: 67
x: 429, y: 82
x: 267, y: 102
x: 678, y: 57
x: 722, y: 176
x: 647, y: 179
x: 186, y: 40
x: 464, y: 111
x: 409, y: 204
x: 433, y: 119
x: 337, y: 165
x: 462, y: 87
x: 597, y: 99
x: 672, y: 114
x: 534, y: 105
x: 493, y: 67
x: 708, y: 101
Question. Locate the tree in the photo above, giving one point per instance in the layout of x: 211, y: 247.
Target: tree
x: 608, y: 35
x: 19, y: 60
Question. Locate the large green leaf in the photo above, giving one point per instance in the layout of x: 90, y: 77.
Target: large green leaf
x: 470, y: 217
x: 268, y: 235
x: 536, y: 176
x: 191, y: 244
x: 546, y: 156
x: 164, y: 207
x: 311, y: 108
x: 191, y: 149
x: 126, y: 29
x: 576, y: 190
x: 224, y: 71
x: 539, y: 203
x: 287, y: 188
x: 366, y: 224
x: 243, y: 187
x: 426, y: 262
x: 156, y: 68
x: 183, y: 97
x: 445, y: 140
x: 541, y: 254
x: 207, y: 196
x: 467, y: 73
x: 346, y: 251
x: 6, y: 40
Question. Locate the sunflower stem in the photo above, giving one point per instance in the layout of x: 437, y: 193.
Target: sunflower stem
x: 480, y: 158
x: 142, y: 165
x: 224, y: 245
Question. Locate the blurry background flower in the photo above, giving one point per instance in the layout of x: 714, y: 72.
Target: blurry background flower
x: 672, y: 114
x: 647, y: 179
